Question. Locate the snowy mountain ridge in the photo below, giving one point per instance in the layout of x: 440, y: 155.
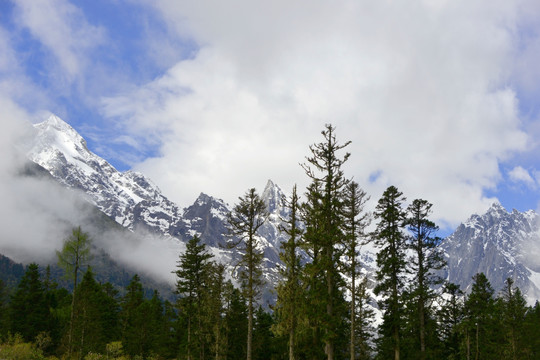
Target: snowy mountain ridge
x: 136, y: 203
x: 63, y: 152
x: 498, y: 243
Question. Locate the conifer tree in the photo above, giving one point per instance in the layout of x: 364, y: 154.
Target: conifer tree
x: 191, y: 276
x: 323, y: 214
x: 96, y: 317
x: 426, y: 260
x: 29, y: 312
x: 74, y: 256
x: 264, y: 340
x: 480, y: 319
x: 132, y: 317
x: 289, y: 288
x: 4, y: 320
x: 391, y: 261
x: 155, y: 339
x: 235, y: 322
x: 365, y: 317
x: 356, y: 221
x: 450, y: 316
x: 514, y: 308
x: 214, y: 308
x: 531, y: 331
x: 311, y: 278
x: 244, y: 222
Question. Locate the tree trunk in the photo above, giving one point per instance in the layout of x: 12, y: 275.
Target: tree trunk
x: 250, y: 300
x: 330, y: 306
x: 189, y: 337
x: 72, y: 315
x: 422, y: 330
x: 353, y: 308
x: 291, y: 344
x: 421, y: 308
x: 396, y: 344
x: 477, y: 347
x: 250, y: 328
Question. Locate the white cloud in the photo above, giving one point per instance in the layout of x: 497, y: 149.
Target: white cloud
x: 420, y: 88
x: 520, y: 175
x: 62, y: 28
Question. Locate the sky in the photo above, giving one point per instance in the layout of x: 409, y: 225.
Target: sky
x: 439, y: 98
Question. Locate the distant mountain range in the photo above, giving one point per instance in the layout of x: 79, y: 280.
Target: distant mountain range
x: 137, y: 204
x: 498, y: 243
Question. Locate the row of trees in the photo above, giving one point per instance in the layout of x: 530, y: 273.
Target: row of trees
x: 209, y: 323
x: 323, y: 308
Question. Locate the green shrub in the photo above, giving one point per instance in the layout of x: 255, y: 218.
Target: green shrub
x: 93, y: 356
x: 16, y: 349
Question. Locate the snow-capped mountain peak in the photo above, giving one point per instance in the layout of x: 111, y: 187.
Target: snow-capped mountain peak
x: 273, y: 198
x: 495, y: 243
x: 63, y: 152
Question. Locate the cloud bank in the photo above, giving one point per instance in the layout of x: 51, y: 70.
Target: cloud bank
x: 37, y: 214
x: 423, y: 90
x: 437, y: 97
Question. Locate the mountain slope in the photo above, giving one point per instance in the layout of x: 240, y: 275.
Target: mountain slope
x: 134, y: 202
x: 499, y: 244
x: 63, y: 152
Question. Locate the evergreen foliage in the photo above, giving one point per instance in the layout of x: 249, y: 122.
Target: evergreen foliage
x: 324, y: 218
x: 289, y: 289
x: 356, y: 221
x: 192, y: 276
x: 427, y: 259
x: 450, y: 316
x: 74, y: 256
x: 244, y: 222
x: 96, y: 319
x: 480, y: 322
x: 514, y: 309
x: 29, y: 313
x: 322, y: 308
x: 4, y: 319
x: 391, y: 260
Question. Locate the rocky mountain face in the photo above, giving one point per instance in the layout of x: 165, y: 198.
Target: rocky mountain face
x: 134, y: 202
x: 500, y: 244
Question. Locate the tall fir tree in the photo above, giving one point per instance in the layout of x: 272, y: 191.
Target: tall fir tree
x: 74, y: 256
x: 265, y: 342
x: 514, y: 309
x: 192, y: 274
x: 4, y: 320
x: 323, y: 214
x: 531, y: 331
x: 312, y: 280
x: 450, y: 316
x: 132, y: 318
x: 363, y: 325
x: 29, y: 312
x: 236, y: 313
x: 356, y: 221
x: 213, y: 309
x: 480, y: 320
x: 391, y: 261
x: 426, y: 260
x: 289, y: 289
x: 244, y: 222
x: 96, y: 317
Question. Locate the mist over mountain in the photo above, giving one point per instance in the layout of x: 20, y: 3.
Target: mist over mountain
x: 133, y: 221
